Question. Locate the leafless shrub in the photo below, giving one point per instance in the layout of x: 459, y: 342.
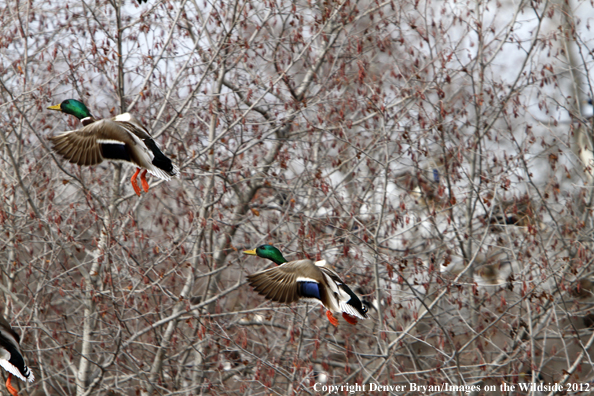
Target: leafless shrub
x: 408, y: 143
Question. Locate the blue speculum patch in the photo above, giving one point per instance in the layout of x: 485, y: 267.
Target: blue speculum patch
x: 114, y: 151
x: 310, y: 290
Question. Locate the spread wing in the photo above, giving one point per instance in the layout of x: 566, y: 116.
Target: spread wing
x: 104, y: 139
x: 132, y: 125
x: 284, y: 283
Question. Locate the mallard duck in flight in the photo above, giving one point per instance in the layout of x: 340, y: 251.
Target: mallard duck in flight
x: 304, y: 279
x: 10, y: 356
x: 121, y: 138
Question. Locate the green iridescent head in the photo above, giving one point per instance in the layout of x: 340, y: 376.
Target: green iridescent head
x: 73, y: 107
x: 269, y: 252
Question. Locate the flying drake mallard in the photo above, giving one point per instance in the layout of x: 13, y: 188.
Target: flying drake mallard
x: 304, y: 279
x: 121, y: 138
x: 10, y: 356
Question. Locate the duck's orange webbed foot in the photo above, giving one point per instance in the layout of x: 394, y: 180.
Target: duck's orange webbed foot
x: 332, y: 319
x: 134, y: 184
x: 11, y: 388
x: 349, y: 318
x: 145, y: 185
